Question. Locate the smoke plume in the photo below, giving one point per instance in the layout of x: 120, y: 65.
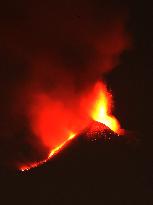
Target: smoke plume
x: 51, y: 54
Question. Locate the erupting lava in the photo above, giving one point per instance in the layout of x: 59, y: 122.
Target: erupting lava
x: 101, y: 110
x: 97, y: 106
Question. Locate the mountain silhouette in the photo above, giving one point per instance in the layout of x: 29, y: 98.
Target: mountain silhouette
x: 97, y: 167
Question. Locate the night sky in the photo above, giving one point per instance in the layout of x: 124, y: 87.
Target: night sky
x: 64, y: 47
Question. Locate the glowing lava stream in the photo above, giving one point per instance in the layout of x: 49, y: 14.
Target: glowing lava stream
x: 99, y: 110
x: 51, y: 154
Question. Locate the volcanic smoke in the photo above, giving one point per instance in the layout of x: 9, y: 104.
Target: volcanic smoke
x: 63, y: 52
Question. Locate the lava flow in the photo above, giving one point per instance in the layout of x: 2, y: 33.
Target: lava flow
x: 52, y: 153
x: 97, y: 106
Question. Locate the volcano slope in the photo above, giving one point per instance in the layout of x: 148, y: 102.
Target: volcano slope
x: 96, y: 167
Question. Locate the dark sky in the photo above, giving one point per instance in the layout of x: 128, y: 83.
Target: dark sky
x: 34, y: 33
x: 132, y: 80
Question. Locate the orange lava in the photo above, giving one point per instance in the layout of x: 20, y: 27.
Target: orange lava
x: 56, y: 149
x: 102, y: 107
x: 96, y: 105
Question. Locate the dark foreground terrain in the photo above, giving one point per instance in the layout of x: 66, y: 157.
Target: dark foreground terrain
x: 103, y: 168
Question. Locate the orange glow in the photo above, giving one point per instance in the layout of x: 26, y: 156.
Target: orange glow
x: 53, y: 121
x: 102, y: 107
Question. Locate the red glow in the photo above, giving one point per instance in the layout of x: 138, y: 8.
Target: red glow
x: 56, y: 123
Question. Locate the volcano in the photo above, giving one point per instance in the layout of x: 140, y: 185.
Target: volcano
x: 91, y: 144
x: 96, y: 167
x: 95, y: 131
